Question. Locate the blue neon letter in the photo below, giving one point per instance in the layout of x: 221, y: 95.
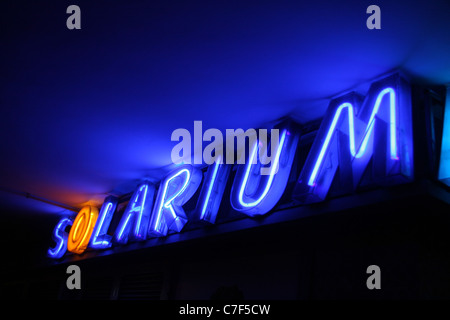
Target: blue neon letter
x: 212, y: 191
x: 136, y: 216
x: 174, y: 191
x: 100, y: 239
x: 366, y: 135
x: 255, y: 194
x: 60, y: 237
x: 444, y: 164
x: 351, y: 144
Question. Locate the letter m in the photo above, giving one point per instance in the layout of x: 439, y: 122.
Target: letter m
x: 361, y: 142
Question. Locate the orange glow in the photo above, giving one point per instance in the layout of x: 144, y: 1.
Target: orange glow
x: 82, y: 228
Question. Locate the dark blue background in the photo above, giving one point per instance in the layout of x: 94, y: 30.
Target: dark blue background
x: 89, y: 112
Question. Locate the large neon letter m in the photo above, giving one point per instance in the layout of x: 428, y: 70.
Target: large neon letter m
x: 355, y: 133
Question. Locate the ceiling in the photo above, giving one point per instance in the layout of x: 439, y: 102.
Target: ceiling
x: 87, y: 113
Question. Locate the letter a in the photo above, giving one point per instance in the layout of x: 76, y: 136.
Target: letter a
x: 374, y: 281
x: 74, y: 21
x: 74, y: 280
x: 374, y: 21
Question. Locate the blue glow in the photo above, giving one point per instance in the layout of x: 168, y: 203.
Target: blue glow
x: 256, y: 194
x: 174, y: 191
x: 367, y: 133
x: 212, y: 190
x: 100, y: 239
x: 136, y: 217
x: 210, y: 187
x: 444, y: 163
x: 271, y: 175
x: 361, y: 142
x: 60, y: 237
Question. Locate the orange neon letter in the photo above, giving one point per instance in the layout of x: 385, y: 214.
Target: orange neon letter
x: 81, y: 230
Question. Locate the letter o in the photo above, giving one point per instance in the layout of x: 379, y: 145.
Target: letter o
x: 81, y: 230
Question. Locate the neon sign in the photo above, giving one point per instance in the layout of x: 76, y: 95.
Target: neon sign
x: 176, y: 189
x: 256, y: 194
x: 60, y: 237
x: 134, y: 222
x: 100, y: 239
x: 357, y: 132
x: 361, y: 141
x: 82, y: 228
x: 212, y: 192
x: 444, y: 164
